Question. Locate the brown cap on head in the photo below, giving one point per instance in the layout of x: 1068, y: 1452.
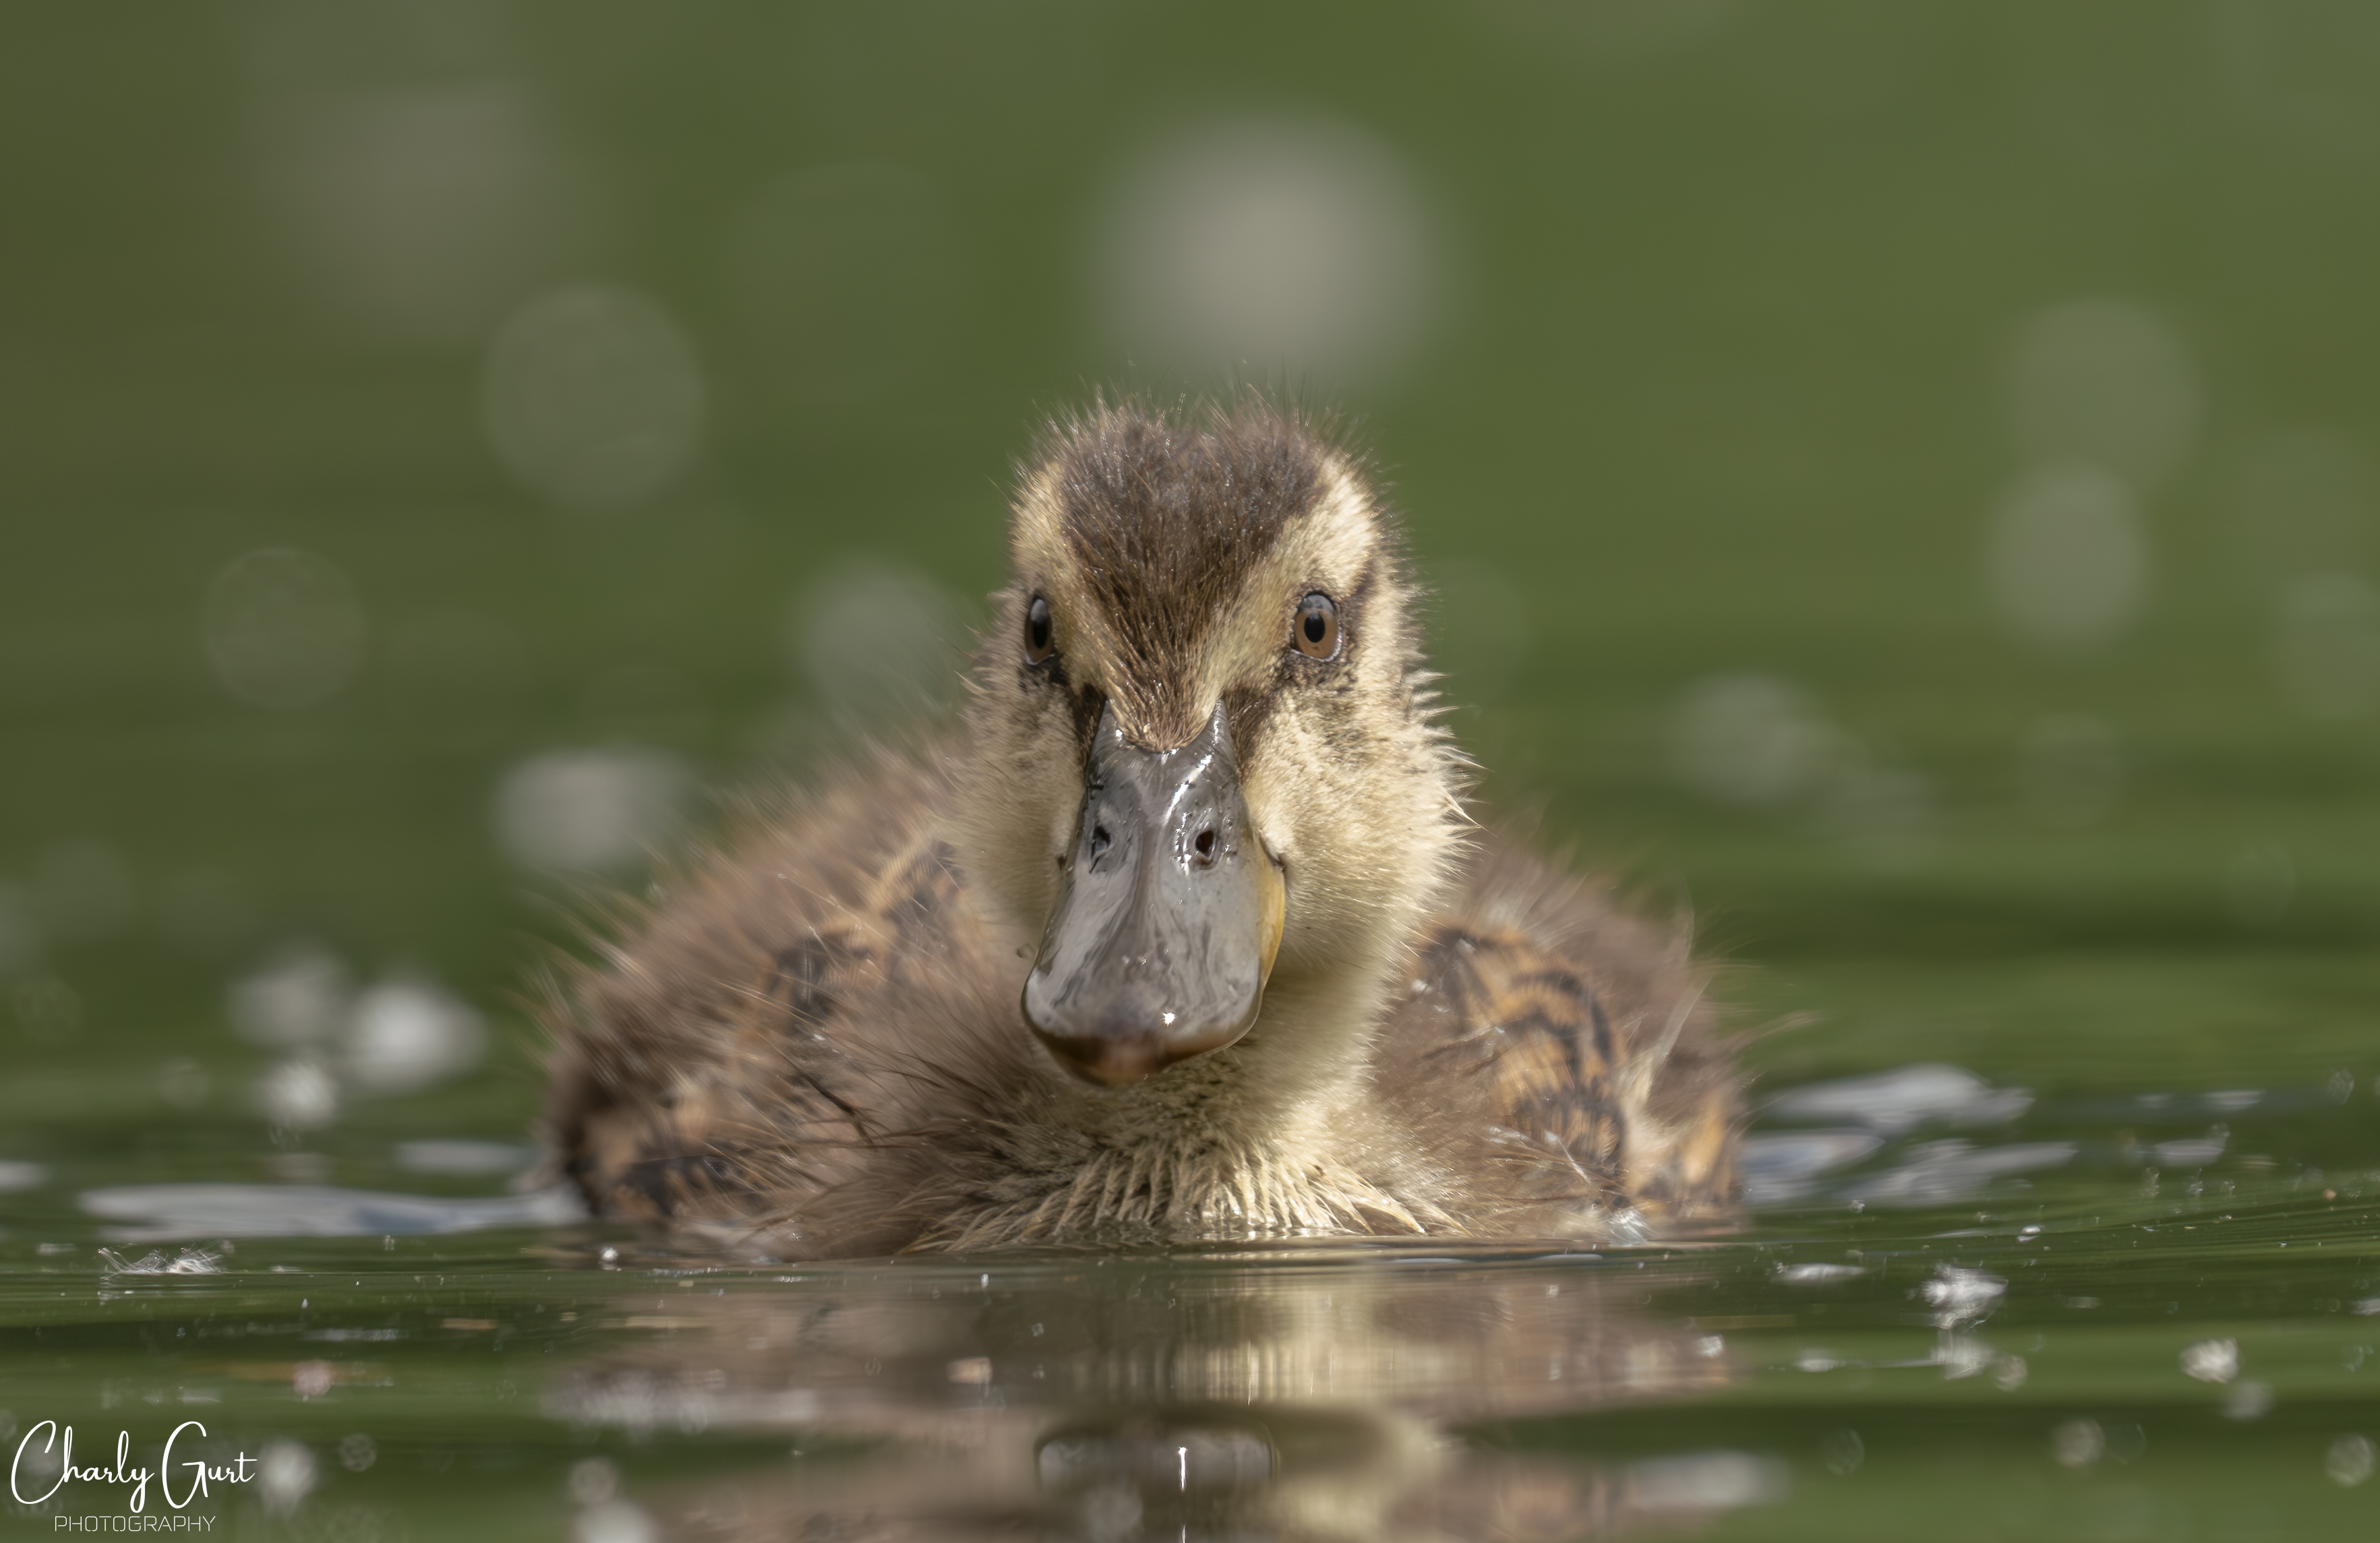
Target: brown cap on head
x: 1162, y: 524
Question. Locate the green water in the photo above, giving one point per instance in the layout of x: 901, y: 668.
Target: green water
x: 1807, y: 1376
x: 1712, y: 340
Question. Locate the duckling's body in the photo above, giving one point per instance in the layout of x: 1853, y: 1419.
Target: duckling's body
x: 1385, y: 1024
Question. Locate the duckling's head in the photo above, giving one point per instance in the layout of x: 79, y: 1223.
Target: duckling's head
x: 1204, y: 767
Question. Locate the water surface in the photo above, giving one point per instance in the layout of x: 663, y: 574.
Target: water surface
x: 1981, y: 1310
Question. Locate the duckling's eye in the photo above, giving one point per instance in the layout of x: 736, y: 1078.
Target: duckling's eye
x: 1315, y: 631
x: 1037, y: 630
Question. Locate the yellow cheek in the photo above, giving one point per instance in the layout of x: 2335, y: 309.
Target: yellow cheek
x: 1273, y: 784
x: 1273, y: 901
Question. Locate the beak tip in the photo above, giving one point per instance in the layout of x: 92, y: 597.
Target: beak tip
x: 1112, y: 1057
x: 1104, y: 1061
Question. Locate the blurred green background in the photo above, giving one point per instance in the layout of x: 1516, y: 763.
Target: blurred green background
x: 1897, y: 476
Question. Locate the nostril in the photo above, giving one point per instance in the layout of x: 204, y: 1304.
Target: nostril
x: 1101, y: 841
x: 1205, y: 843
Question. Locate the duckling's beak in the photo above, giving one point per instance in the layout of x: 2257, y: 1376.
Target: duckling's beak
x: 1168, y: 917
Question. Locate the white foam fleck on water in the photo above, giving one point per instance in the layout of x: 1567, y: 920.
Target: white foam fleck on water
x: 590, y: 810
x: 1937, y: 1172
x: 2211, y: 1360
x: 1960, y: 1355
x: 2188, y: 1152
x: 399, y: 1035
x: 284, y: 1475
x: 1900, y: 1100
x: 1705, y: 1481
x: 2350, y: 1461
x: 158, y: 1211
x: 1817, y: 1274
x: 14, y: 1176
x: 1962, y: 1295
x: 593, y: 397
x: 299, y: 1094
x: 1780, y: 1165
x: 187, y: 1261
x: 1270, y: 244
x: 284, y: 628
x: 406, y: 1034
x: 2078, y: 1443
x: 2067, y: 562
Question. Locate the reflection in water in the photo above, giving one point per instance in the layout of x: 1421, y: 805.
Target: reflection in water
x: 2054, y: 1335
x: 1113, y: 1399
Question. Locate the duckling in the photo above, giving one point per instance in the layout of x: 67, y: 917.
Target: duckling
x: 1185, y: 936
